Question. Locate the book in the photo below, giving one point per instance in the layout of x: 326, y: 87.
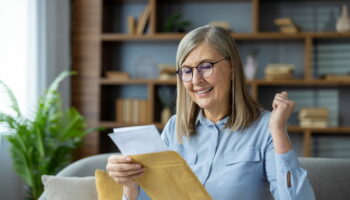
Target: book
x: 279, y: 77
x: 143, y: 117
x: 321, y: 124
x: 283, y: 21
x: 131, y: 25
x: 166, y: 172
x: 313, y: 119
x: 117, y: 75
x: 289, y: 29
x: 135, y: 111
x: 333, y: 77
x: 223, y: 24
x: 313, y: 112
x: 279, y: 71
x: 119, y: 110
x: 167, y: 72
x: 143, y: 19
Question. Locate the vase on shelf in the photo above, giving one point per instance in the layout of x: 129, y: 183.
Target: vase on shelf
x: 165, y: 115
x: 250, y: 68
x: 343, y: 22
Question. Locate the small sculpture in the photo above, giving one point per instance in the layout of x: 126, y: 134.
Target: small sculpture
x: 343, y: 23
x: 251, y: 65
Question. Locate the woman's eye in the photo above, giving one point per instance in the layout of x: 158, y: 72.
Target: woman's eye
x: 205, y: 66
x: 186, y: 70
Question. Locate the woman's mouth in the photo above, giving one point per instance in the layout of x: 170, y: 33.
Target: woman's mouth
x: 203, y: 91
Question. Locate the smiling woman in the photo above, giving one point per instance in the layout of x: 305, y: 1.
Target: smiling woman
x: 236, y: 148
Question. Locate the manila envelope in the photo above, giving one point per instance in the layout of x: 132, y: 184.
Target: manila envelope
x: 168, y: 177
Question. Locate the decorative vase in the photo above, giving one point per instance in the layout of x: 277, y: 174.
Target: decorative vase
x: 343, y: 23
x: 250, y: 68
x: 165, y: 115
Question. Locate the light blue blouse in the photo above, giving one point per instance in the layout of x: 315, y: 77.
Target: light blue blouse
x: 239, y: 164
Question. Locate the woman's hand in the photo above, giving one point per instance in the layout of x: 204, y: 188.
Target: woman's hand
x: 282, y: 108
x: 124, y: 171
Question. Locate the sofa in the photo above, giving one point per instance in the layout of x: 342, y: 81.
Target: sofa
x: 328, y: 177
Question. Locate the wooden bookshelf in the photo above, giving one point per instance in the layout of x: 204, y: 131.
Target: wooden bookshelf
x: 94, y: 36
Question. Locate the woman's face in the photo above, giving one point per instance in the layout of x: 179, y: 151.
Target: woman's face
x: 211, y: 93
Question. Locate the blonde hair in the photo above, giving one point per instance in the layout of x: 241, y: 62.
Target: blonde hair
x: 244, y: 110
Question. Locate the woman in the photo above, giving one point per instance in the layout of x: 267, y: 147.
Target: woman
x: 236, y: 149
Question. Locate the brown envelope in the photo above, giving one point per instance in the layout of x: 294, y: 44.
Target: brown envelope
x: 168, y: 177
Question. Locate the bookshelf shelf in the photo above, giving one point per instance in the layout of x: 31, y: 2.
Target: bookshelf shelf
x: 300, y: 82
x: 343, y: 130
x: 257, y: 82
x: 105, y: 81
x: 111, y: 124
x: 115, y: 37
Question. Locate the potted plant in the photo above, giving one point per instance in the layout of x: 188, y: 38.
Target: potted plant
x: 44, y: 144
x: 175, y: 23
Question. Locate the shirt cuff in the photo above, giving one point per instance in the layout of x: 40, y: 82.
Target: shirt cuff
x: 287, y: 161
x: 124, y: 197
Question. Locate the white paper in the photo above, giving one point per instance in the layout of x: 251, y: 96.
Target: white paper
x: 138, y: 140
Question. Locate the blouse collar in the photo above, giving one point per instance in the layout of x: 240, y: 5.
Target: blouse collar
x: 204, y: 121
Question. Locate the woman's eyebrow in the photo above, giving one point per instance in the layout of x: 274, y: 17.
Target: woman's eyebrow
x: 200, y: 62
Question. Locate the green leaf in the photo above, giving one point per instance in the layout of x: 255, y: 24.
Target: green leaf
x: 13, y: 100
x: 20, y: 160
x: 39, y: 141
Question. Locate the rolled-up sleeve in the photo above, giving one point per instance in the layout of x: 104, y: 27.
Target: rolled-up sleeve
x: 142, y: 195
x: 277, y: 168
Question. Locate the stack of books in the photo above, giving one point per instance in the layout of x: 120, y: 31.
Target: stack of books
x: 167, y: 72
x: 336, y: 77
x: 279, y: 71
x: 117, y: 75
x: 132, y: 111
x: 286, y: 25
x: 313, y: 117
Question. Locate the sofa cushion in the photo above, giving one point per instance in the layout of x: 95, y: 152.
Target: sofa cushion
x: 69, y: 188
x: 107, y: 188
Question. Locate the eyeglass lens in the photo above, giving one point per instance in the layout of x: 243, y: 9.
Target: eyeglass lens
x: 204, y: 69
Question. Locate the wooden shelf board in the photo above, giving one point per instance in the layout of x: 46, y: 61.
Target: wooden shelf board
x: 301, y: 35
x: 258, y: 82
x: 300, y: 82
x: 112, y: 124
x: 165, y: 82
x: 238, y: 36
x: 330, y: 35
x: 106, y: 81
x: 345, y: 130
x: 151, y: 37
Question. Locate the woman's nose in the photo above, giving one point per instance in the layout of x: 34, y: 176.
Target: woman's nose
x: 197, y: 77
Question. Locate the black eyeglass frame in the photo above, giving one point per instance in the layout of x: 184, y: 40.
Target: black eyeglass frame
x: 178, y: 72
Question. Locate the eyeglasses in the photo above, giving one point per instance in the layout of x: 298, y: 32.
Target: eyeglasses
x: 205, y: 69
